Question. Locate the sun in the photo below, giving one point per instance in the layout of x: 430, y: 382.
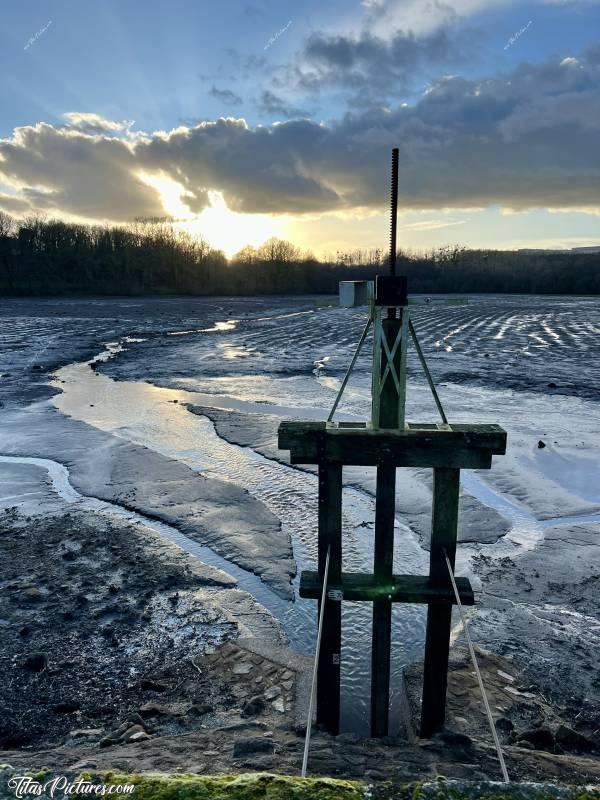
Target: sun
x: 222, y: 228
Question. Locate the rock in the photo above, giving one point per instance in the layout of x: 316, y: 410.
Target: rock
x: 272, y: 692
x: 36, y: 662
x: 540, y: 738
x: 133, y: 731
x: 148, y: 685
x: 200, y: 709
x: 242, y: 669
x: 140, y: 736
x: 33, y: 595
x: 135, y: 719
x: 299, y: 728
x: 253, y: 707
x: 65, y: 708
x: 279, y: 705
x: 526, y: 745
x: 345, y: 738
x: 552, y: 385
x: 541, y: 445
x: 245, y: 747
x: 107, y: 741
x: 151, y: 709
x: 82, y: 733
x: 287, y: 684
x: 571, y: 741
x: 455, y: 739
x: 504, y: 725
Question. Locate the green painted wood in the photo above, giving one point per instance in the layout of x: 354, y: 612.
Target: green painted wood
x: 357, y: 586
x: 330, y: 536
x: 388, y: 411
x: 385, y: 507
x: 439, y: 617
x: 469, y: 447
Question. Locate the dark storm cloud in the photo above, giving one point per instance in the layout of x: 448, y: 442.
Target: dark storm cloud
x: 526, y: 139
x: 226, y: 96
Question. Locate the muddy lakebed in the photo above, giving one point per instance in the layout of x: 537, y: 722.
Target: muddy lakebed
x: 158, y: 417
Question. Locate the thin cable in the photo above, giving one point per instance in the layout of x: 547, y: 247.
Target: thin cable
x: 438, y: 402
x: 478, y: 673
x: 313, y: 687
x: 350, y: 368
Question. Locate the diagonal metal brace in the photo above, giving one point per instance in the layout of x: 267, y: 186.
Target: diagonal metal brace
x: 350, y: 368
x: 438, y: 402
x: 390, y: 369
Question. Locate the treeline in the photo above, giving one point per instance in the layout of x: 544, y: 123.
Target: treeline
x: 50, y: 257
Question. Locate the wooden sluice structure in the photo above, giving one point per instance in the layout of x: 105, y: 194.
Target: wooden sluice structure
x: 387, y: 443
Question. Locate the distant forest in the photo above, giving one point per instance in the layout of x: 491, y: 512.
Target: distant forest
x: 49, y: 257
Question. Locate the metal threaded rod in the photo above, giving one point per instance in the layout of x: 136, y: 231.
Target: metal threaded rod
x: 393, y: 211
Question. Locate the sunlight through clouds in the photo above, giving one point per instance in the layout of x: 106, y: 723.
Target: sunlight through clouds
x: 222, y: 228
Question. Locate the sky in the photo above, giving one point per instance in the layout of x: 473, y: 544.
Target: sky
x: 245, y: 120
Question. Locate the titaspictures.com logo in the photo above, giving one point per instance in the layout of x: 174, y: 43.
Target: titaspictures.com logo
x: 60, y: 786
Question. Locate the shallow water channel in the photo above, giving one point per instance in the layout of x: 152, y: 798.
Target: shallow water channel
x: 146, y: 415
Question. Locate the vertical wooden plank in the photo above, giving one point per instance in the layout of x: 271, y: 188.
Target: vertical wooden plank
x: 391, y: 410
x: 330, y: 535
x: 382, y: 609
x: 439, y: 617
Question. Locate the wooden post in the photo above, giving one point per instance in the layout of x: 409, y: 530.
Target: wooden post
x: 439, y: 617
x: 382, y: 608
x: 330, y: 536
x: 390, y: 414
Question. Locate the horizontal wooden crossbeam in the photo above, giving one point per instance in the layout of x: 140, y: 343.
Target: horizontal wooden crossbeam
x: 420, y: 445
x: 400, y: 589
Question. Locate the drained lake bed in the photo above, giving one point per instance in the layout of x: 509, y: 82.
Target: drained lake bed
x: 167, y: 410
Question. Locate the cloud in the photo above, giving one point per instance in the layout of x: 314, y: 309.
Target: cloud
x: 270, y: 104
x: 226, y: 96
x: 64, y: 170
x: 431, y: 224
x: 374, y: 65
x: 94, y: 123
x: 384, y: 17
x: 526, y: 139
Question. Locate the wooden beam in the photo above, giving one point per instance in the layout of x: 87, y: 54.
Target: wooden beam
x: 330, y: 536
x: 439, y: 617
x: 357, y: 586
x: 385, y: 508
x: 465, y: 446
